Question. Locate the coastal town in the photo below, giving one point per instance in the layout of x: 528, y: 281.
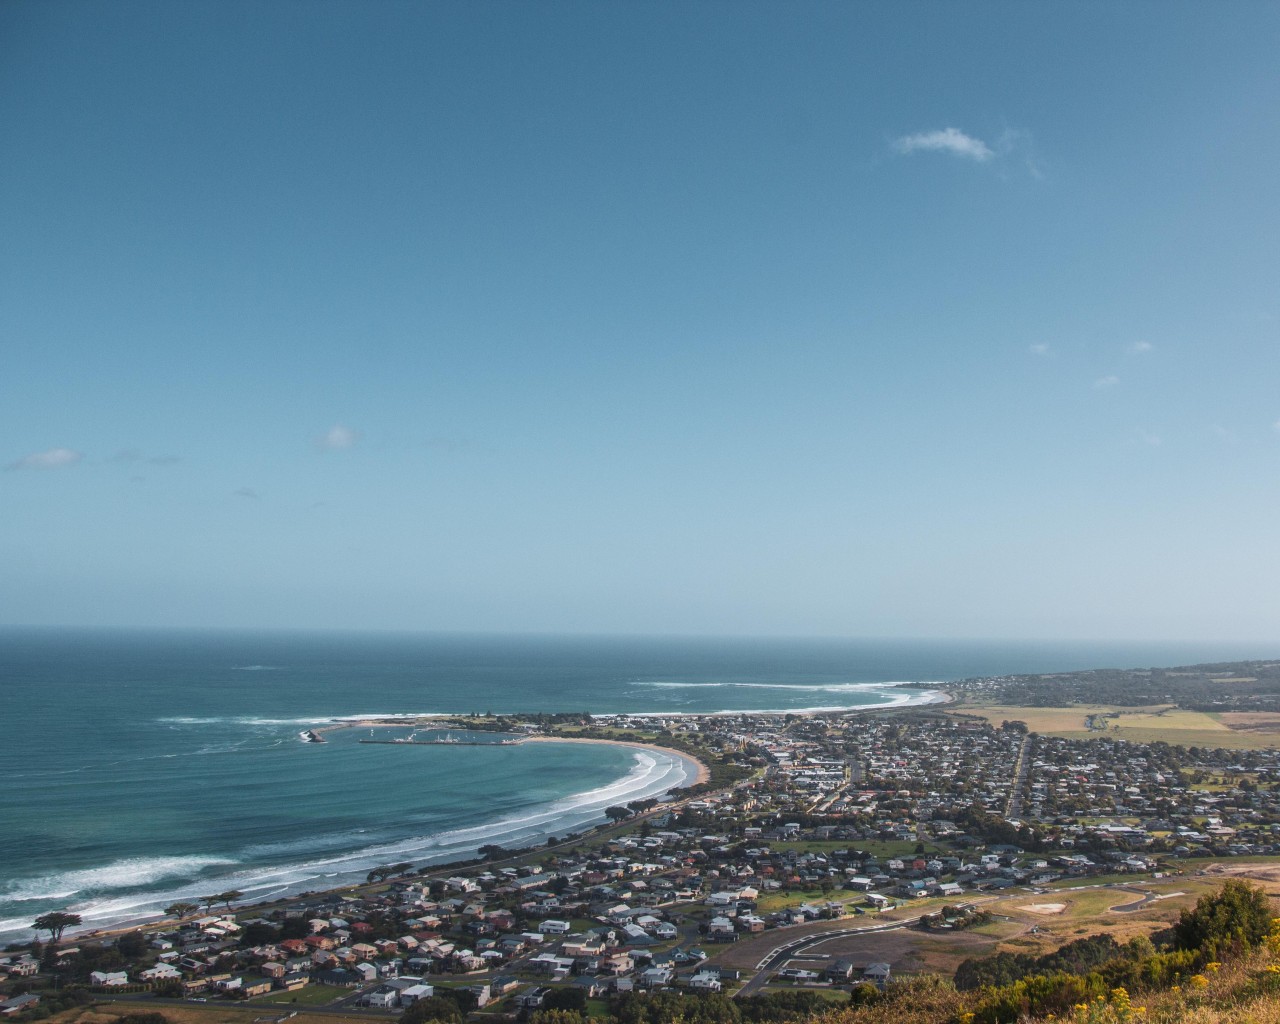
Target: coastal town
x: 817, y: 856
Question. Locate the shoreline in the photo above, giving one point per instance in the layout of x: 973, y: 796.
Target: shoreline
x: 701, y: 771
x: 695, y: 773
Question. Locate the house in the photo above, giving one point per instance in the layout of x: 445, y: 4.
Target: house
x: 593, y: 988
x: 533, y: 999
x: 877, y: 974
x: 413, y: 993
x: 109, y: 979
x: 655, y: 977
x: 705, y: 981
x: 160, y: 972
x: 256, y: 986
x: 13, y: 1007
x: 720, y: 929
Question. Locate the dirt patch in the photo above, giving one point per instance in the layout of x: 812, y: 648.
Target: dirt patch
x: 1045, y: 909
x: 909, y: 951
x: 1251, y: 721
x: 1261, y: 872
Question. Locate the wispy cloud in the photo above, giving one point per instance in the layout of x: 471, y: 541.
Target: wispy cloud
x: 246, y: 492
x: 1222, y: 433
x: 1040, y: 349
x: 945, y: 140
x: 1276, y: 426
x: 1103, y: 383
x: 337, y: 438
x: 53, y: 458
x: 1148, y: 438
x: 1141, y: 348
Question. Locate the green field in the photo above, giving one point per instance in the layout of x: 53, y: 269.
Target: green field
x: 311, y: 995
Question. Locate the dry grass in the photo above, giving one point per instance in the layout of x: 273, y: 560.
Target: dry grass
x: 202, y: 1013
x: 1236, y: 730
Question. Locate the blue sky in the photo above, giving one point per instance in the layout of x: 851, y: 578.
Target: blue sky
x: 880, y: 320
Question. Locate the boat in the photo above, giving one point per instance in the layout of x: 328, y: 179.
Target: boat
x: 310, y: 736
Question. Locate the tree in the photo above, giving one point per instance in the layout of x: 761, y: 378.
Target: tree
x: 617, y: 813
x: 491, y: 851
x: 181, y: 910
x: 432, y: 1008
x: 229, y: 897
x: 131, y: 945
x: 1238, y: 912
x: 55, y: 923
x: 565, y: 998
x: 558, y: 1017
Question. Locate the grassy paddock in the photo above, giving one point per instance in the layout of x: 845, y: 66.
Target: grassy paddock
x: 1141, y: 725
x: 201, y: 1013
x: 309, y: 995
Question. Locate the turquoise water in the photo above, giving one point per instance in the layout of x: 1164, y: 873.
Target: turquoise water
x: 140, y: 768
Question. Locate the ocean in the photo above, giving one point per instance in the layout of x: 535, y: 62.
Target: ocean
x: 140, y: 768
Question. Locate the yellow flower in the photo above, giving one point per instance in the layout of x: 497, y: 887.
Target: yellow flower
x: 1199, y: 981
x: 1212, y: 966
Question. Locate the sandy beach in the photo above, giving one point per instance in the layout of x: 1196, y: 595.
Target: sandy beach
x: 703, y: 772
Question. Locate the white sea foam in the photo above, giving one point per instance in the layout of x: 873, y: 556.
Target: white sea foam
x: 651, y: 773
x: 799, y: 687
x: 308, y: 720
x: 122, y: 874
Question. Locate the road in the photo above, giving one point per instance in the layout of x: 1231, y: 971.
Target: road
x: 1014, y: 807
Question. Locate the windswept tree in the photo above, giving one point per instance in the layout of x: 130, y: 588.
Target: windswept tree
x: 617, y: 813
x: 55, y: 923
x: 229, y: 897
x: 181, y: 910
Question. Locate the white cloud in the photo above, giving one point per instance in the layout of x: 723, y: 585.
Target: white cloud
x: 1222, y: 433
x: 1147, y: 437
x: 1139, y: 348
x: 1276, y: 426
x: 1102, y: 383
x: 1039, y: 349
x: 337, y: 438
x: 54, y: 458
x: 946, y: 140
